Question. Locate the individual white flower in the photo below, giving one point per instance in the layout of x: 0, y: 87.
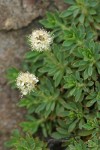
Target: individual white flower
x: 26, y: 82
x: 40, y: 40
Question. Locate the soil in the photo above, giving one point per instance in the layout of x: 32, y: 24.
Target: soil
x: 10, y: 114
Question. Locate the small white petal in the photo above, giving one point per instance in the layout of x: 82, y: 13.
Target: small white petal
x: 26, y: 82
x: 40, y: 40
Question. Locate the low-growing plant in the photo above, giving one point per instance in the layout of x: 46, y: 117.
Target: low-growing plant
x: 63, y: 97
x: 25, y: 142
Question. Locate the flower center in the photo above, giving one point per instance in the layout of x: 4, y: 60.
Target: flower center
x: 40, y: 38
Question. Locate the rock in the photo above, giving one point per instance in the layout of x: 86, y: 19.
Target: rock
x: 12, y: 50
x: 60, y: 4
x: 15, y: 14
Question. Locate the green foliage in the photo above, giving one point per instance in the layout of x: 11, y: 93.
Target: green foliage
x: 12, y: 74
x: 83, y: 12
x: 78, y: 144
x: 25, y: 142
x: 94, y: 143
x: 66, y: 102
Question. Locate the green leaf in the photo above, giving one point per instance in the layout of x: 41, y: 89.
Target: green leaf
x: 94, y: 3
x: 30, y: 126
x: 69, y: 1
x: 90, y: 70
x: 67, y: 43
x: 90, y: 103
x: 65, y: 13
x: 78, y: 94
x: 92, y: 11
x: 79, y: 63
x: 57, y: 77
x: 86, y: 73
x: 72, y: 92
x: 31, y: 54
x: 57, y: 135
x: 72, y: 126
x: 88, y: 126
x: 62, y: 131
x: 76, y: 12
x: 81, y: 18
x: 85, y: 132
x: 12, y: 74
x: 69, y: 105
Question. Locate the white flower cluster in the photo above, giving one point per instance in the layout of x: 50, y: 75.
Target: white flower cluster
x: 26, y: 82
x: 40, y: 40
